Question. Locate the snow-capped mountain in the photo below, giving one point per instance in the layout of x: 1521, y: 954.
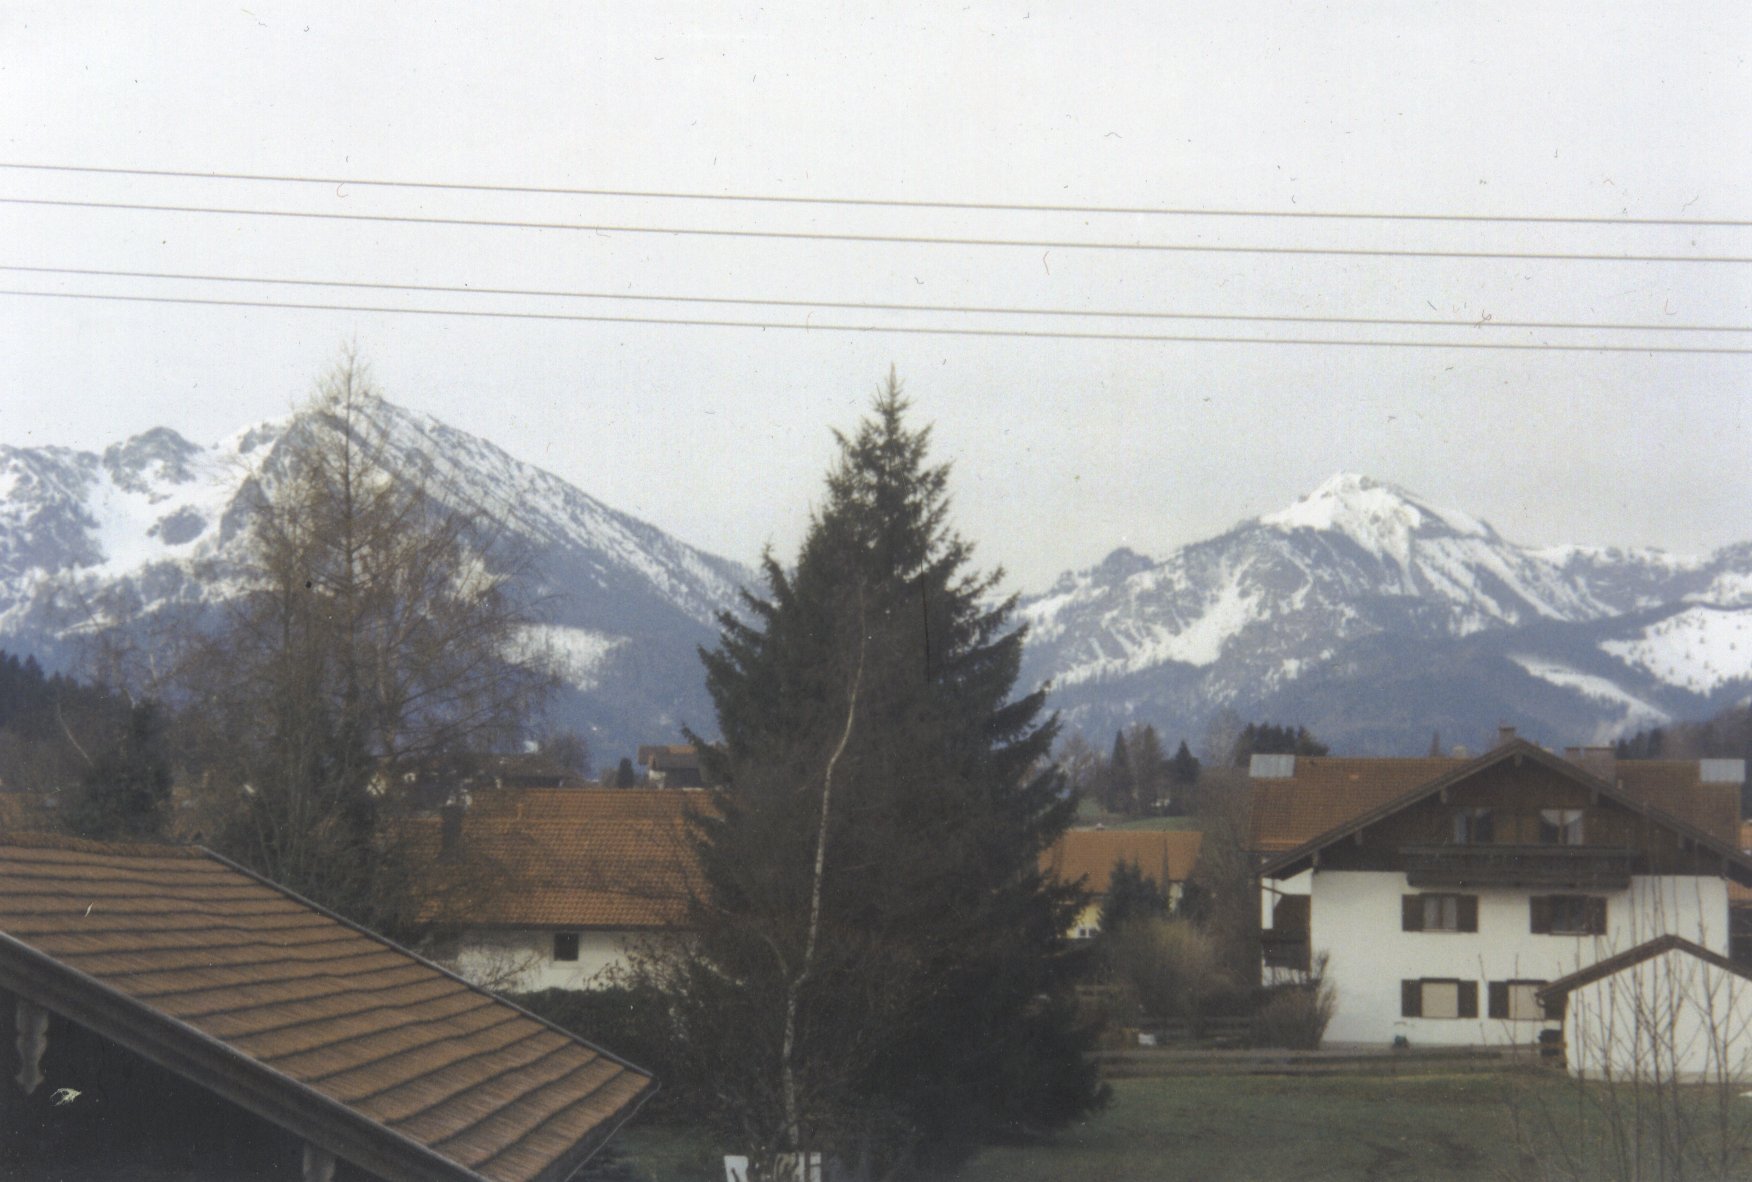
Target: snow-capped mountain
x: 156, y: 525
x: 1374, y: 617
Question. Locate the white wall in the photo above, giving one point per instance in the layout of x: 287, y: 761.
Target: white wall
x: 525, y: 955
x: 1672, y: 1016
x: 1356, y: 917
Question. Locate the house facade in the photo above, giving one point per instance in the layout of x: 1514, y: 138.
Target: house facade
x: 1089, y: 856
x: 1446, y: 893
x: 562, y: 885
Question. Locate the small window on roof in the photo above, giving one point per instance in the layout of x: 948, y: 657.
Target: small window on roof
x: 565, y: 945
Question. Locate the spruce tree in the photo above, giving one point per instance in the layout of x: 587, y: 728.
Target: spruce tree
x: 1119, y: 785
x: 878, y: 969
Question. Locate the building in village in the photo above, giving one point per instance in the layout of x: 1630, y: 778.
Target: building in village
x: 1089, y: 856
x: 1447, y: 893
x: 672, y: 765
x: 161, y: 986
x: 570, y: 881
x: 1666, y: 1010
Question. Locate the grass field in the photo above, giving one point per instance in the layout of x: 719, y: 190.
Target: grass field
x: 1228, y: 1129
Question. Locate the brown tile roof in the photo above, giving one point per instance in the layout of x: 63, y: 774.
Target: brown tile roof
x: 1165, y: 855
x: 1327, y: 791
x: 581, y: 857
x: 329, y: 1031
x: 1672, y: 785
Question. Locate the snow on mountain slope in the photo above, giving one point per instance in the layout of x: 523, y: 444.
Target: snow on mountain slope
x: 1699, y: 649
x: 1636, y: 712
x: 1239, y: 620
x: 157, y: 523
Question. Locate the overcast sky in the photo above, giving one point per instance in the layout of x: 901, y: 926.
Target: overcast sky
x: 1063, y: 448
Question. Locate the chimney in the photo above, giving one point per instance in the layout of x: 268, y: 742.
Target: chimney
x: 1505, y: 735
x: 1599, y: 762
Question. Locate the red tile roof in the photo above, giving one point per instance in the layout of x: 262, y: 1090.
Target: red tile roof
x: 581, y: 857
x: 1166, y: 855
x: 336, y: 1034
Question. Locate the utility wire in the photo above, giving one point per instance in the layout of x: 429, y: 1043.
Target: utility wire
x: 873, y: 306
x: 901, y: 239
x: 807, y: 326
x: 884, y: 203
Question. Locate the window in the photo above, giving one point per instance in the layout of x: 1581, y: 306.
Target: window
x: 565, y: 945
x: 1560, y: 826
x: 1439, y: 913
x: 1473, y: 826
x: 1438, y: 998
x: 1568, y: 915
x: 1516, y: 1001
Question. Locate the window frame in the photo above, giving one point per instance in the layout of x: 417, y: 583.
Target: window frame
x: 1412, y: 998
x: 560, y: 941
x: 1589, y: 915
x: 1414, y: 912
x: 1565, y: 827
x: 1501, y: 1002
x: 1475, y: 825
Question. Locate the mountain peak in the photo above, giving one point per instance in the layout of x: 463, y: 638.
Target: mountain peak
x: 1377, y: 515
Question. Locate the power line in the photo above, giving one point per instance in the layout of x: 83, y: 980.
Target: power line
x: 892, y: 239
x: 878, y: 202
x: 873, y: 306
x: 933, y: 330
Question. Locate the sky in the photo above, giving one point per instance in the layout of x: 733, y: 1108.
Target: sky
x: 1063, y: 447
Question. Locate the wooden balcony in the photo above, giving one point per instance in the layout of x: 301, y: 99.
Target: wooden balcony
x: 1563, y: 867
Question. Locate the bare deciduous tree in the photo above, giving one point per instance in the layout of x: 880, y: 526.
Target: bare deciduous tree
x: 379, y: 625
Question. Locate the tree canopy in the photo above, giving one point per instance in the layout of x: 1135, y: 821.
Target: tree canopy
x: 879, y: 970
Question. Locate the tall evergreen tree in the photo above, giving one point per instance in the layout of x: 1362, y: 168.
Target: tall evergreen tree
x: 1119, y: 787
x: 878, y: 969
x: 1183, y: 768
x: 1149, y: 768
x: 125, y: 793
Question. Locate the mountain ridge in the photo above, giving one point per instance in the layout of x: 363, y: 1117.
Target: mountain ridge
x: 1283, y: 607
x: 153, y: 526
x: 1339, y: 611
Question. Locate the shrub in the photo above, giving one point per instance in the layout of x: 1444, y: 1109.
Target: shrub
x: 1169, y: 965
x: 1296, y: 1015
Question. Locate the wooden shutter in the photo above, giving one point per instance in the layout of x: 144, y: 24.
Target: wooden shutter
x: 1411, y: 913
x: 1596, y: 916
x: 1540, y: 908
x: 1411, y: 999
x: 1469, y: 999
x: 1467, y: 913
x: 1499, y: 999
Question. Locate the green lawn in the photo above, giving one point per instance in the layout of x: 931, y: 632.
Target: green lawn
x: 1158, y: 823
x: 1242, y: 1128
x: 1238, y: 1128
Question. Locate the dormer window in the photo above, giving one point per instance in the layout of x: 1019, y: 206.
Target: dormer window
x: 1474, y: 826
x: 1560, y: 826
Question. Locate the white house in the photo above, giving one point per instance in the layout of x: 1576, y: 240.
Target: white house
x: 561, y: 883
x: 1446, y: 893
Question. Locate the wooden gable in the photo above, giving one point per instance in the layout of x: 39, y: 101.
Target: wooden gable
x: 1487, y: 821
